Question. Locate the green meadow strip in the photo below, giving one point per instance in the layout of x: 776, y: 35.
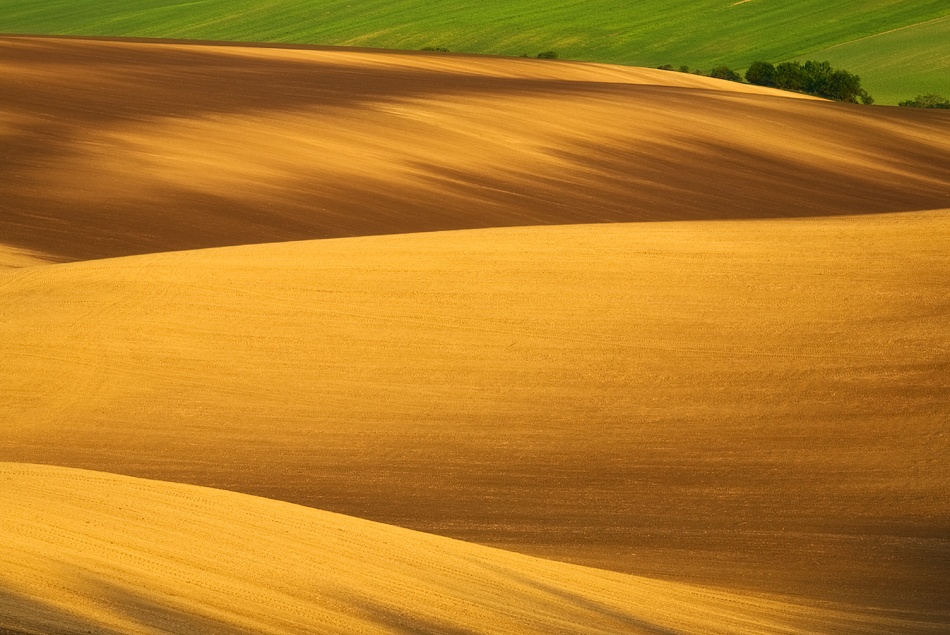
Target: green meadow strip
x: 909, y: 58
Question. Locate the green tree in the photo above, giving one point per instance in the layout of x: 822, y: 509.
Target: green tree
x: 927, y: 101
x: 817, y: 78
x: 790, y: 76
x: 724, y: 72
x: 844, y: 86
x: 761, y: 74
x: 812, y: 77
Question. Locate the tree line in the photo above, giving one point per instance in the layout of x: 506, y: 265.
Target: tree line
x: 814, y: 78
x: 927, y: 101
x: 820, y: 79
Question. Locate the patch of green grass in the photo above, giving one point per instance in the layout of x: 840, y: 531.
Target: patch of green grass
x: 901, y: 64
x: 701, y: 33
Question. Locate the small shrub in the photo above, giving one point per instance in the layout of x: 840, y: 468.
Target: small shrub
x: 683, y: 69
x: 724, y: 72
x: 927, y: 101
x: 440, y: 49
x: 665, y: 67
x: 547, y: 55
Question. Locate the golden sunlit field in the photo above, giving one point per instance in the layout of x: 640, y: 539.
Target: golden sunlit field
x: 301, y: 340
x: 249, y: 564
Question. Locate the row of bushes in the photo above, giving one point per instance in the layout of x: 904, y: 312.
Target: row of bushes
x: 544, y: 55
x: 814, y: 78
x: 927, y: 101
x: 720, y: 72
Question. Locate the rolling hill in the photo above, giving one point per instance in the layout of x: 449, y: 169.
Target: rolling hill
x: 90, y: 552
x: 702, y: 33
x: 118, y: 148
x: 691, y: 333
x: 765, y: 400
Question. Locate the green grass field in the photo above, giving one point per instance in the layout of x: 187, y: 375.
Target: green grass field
x: 900, y: 64
x: 701, y: 33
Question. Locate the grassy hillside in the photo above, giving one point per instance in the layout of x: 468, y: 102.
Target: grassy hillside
x: 702, y: 33
x: 901, y: 63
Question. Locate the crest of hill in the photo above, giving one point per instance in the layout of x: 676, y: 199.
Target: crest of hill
x: 756, y: 404
x: 119, y: 148
x: 701, y: 33
x: 93, y: 552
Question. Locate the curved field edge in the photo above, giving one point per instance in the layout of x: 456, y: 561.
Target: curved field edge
x: 14, y: 258
x: 223, y: 145
x: 765, y: 400
x: 702, y: 34
x: 94, y: 552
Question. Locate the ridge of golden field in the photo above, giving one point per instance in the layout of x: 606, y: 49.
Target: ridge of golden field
x: 94, y: 552
x: 113, y: 148
x: 754, y: 404
x: 12, y: 257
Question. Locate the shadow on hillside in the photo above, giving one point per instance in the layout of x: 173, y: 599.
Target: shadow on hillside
x: 63, y: 97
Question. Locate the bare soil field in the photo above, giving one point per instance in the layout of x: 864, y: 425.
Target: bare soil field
x: 149, y: 557
x: 766, y: 400
x: 117, y: 148
x: 748, y: 394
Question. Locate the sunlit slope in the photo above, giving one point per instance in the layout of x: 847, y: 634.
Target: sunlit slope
x: 13, y: 257
x: 701, y: 33
x: 122, y: 148
x: 93, y: 552
x: 751, y: 403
